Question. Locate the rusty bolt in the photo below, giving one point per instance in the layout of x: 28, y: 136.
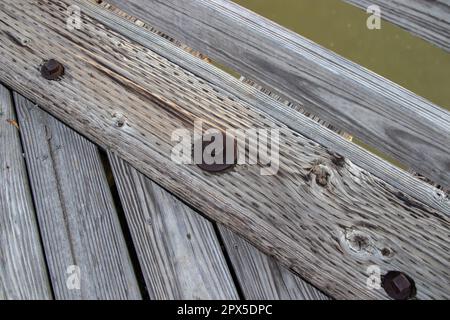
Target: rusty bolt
x: 218, y: 167
x: 52, y: 70
x: 398, y: 285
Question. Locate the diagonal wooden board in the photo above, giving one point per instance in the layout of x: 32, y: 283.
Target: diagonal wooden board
x: 384, y: 115
x: 312, y: 229
x: 138, y: 32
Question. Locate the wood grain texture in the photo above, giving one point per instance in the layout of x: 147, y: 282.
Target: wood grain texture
x: 181, y: 256
x: 429, y: 20
x: 296, y: 107
x: 178, y: 250
x: 23, y: 272
x: 199, y: 55
x: 261, y: 277
x: 329, y: 235
x: 294, y: 120
x: 382, y: 114
x: 78, y: 220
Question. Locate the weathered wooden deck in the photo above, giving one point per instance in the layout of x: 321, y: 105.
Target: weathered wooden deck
x: 130, y: 238
x: 109, y: 201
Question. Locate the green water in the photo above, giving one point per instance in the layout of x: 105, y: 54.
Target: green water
x: 391, y: 52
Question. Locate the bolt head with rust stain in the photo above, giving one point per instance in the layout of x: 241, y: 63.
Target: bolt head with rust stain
x: 52, y: 70
x: 398, y: 285
x: 219, y: 167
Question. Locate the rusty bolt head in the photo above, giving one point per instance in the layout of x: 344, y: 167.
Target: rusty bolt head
x: 219, y: 167
x: 52, y: 70
x: 398, y: 285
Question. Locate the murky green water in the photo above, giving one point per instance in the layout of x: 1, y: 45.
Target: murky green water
x: 391, y: 52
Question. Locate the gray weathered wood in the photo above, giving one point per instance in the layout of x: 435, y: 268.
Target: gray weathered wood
x: 181, y: 256
x: 429, y: 20
x: 261, y: 277
x: 23, y: 272
x: 291, y: 118
x: 296, y: 107
x: 382, y: 114
x: 179, y: 252
x: 328, y: 234
x: 78, y: 220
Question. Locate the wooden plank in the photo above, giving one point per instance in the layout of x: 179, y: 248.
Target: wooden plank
x: 197, y: 54
x: 179, y: 252
x: 291, y: 118
x: 261, y: 277
x: 374, y: 165
x: 23, y: 272
x: 296, y: 107
x: 79, y: 223
x: 382, y: 114
x: 181, y: 256
x: 329, y: 235
x: 429, y: 20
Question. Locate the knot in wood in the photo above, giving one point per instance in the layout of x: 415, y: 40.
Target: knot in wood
x: 24, y: 41
x: 357, y: 243
x: 441, y: 196
x: 387, y: 253
x: 322, y: 174
x: 119, y: 119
